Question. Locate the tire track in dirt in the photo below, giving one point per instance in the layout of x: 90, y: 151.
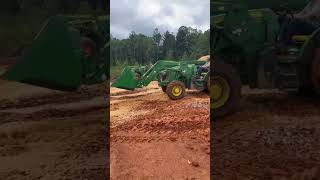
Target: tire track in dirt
x: 53, y: 99
x: 56, y: 135
x: 273, y: 136
x: 167, y: 135
x: 167, y: 120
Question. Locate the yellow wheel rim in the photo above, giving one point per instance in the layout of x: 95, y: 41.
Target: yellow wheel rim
x: 176, y: 91
x: 219, y: 92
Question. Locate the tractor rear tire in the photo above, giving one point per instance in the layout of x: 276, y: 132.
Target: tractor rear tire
x: 207, y: 90
x: 176, y: 90
x: 226, y: 80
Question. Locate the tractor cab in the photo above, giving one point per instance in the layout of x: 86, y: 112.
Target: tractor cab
x: 248, y: 50
x: 294, y: 31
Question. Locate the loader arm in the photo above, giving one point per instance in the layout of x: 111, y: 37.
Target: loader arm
x: 131, y: 78
x: 152, y: 73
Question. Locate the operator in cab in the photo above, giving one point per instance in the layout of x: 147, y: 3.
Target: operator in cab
x: 206, y: 67
x: 306, y: 21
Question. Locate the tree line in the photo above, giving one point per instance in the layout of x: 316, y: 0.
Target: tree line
x: 189, y: 43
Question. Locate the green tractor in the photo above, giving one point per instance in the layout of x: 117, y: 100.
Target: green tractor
x: 173, y: 77
x: 247, y: 50
x: 68, y: 52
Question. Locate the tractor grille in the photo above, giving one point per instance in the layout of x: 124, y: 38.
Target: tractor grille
x: 164, y: 76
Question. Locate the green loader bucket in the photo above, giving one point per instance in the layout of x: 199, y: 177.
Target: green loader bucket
x: 127, y: 79
x: 53, y: 60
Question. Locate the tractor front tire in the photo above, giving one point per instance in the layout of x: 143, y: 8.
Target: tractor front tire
x: 225, y: 89
x: 176, y: 90
x: 206, y: 90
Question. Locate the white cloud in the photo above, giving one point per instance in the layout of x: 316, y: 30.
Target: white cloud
x: 143, y: 16
x: 147, y: 8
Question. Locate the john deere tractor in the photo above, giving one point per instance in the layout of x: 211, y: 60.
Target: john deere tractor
x: 247, y: 50
x: 173, y: 77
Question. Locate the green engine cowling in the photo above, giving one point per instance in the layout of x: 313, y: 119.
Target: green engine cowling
x: 183, y: 73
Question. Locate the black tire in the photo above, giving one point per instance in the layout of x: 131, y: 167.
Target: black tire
x: 164, y: 89
x: 170, y: 88
x: 228, y: 73
x: 206, y: 89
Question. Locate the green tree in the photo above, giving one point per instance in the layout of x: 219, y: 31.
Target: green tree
x: 182, y: 41
x: 143, y: 50
x: 157, y: 36
x: 157, y: 40
x: 168, y: 47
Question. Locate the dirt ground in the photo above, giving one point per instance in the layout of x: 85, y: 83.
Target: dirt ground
x: 273, y: 136
x: 153, y: 137
x: 46, y: 134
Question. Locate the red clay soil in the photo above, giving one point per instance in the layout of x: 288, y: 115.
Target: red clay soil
x: 46, y: 134
x: 153, y: 137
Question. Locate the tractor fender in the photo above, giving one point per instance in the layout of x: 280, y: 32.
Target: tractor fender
x: 266, y: 68
x: 307, y: 51
x: 306, y: 56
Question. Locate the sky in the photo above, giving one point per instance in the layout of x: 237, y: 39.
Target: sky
x: 143, y: 16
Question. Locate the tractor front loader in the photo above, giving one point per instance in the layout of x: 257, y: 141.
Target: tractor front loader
x: 68, y: 52
x: 173, y: 77
x: 247, y: 50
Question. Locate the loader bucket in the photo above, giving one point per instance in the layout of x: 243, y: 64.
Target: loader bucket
x: 53, y: 60
x: 127, y: 79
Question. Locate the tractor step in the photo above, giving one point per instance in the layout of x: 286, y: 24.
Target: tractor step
x: 287, y: 73
x: 199, y: 84
x: 287, y: 59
